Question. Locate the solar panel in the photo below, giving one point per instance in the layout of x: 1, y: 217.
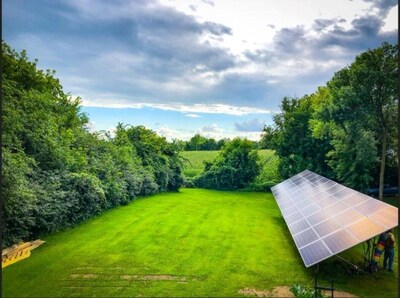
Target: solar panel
x: 326, y: 218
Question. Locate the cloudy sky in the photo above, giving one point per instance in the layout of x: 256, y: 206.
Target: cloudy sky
x: 180, y: 67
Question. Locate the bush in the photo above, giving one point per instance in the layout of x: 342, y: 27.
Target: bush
x: 234, y: 167
x: 55, y: 172
x: 85, y: 196
x: 305, y: 292
x: 19, y: 197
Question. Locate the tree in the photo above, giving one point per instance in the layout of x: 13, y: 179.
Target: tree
x: 364, y: 95
x: 56, y: 172
x: 353, y: 156
x: 374, y: 79
x: 195, y: 142
x: 159, y: 156
x: 293, y: 139
x: 268, y: 137
x: 339, y: 130
x: 198, y: 142
x: 234, y: 167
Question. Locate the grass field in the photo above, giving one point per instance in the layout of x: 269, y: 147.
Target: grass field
x: 195, y: 161
x: 195, y: 164
x: 189, y: 243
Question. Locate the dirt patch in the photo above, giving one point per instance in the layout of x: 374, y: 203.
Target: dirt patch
x: 75, y: 275
x: 340, y: 294
x: 282, y: 291
x: 108, y: 268
x: 163, y: 277
x: 87, y: 276
x: 180, y: 279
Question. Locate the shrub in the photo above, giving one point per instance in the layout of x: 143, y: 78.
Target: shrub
x: 300, y: 291
x: 234, y: 167
x: 56, y: 172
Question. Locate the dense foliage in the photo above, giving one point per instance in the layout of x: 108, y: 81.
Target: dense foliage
x: 297, y: 149
x: 198, y: 142
x: 56, y: 172
x: 345, y: 130
x: 202, y: 143
x: 268, y: 162
x: 233, y: 168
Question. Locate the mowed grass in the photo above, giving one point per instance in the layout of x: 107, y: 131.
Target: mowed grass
x: 189, y: 243
x: 195, y: 162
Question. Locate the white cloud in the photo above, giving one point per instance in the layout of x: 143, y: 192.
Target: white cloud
x: 212, y: 131
x: 91, y: 126
x: 166, y: 132
x: 179, y: 107
x: 171, y: 134
x: 112, y: 131
x: 214, y: 128
x: 392, y: 20
x: 192, y: 115
x: 209, y: 131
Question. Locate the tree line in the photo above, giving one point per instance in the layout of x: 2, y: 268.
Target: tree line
x: 202, y: 143
x: 347, y: 129
x: 56, y: 172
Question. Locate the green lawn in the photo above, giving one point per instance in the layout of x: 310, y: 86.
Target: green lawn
x: 190, y: 243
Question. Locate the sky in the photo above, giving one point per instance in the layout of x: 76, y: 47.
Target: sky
x: 180, y: 67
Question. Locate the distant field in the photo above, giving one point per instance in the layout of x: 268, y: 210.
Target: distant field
x: 188, y: 243
x: 195, y: 164
x: 195, y: 161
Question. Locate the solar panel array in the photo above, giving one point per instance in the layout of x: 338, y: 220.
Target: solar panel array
x: 326, y: 218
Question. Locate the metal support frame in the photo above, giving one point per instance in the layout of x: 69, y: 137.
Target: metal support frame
x: 355, y: 267
x: 374, y: 243
x: 368, y: 256
x: 369, y: 252
x: 317, y: 287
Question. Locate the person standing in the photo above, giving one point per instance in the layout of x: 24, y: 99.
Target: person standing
x: 379, y: 248
x: 389, y: 251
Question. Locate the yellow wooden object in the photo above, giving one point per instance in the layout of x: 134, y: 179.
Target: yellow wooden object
x: 18, y: 252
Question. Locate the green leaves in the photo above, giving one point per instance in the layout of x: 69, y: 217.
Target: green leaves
x: 353, y: 156
x: 56, y: 172
x: 234, y: 167
x: 340, y: 131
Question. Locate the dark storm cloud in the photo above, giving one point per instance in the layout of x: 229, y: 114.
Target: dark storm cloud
x: 332, y: 41
x: 260, y: 55
x: 315, y: 53
x: 384, y: 6
x: 365, y: 33
x: 142, y: 51
x: 217, y: 29
x: 291, y: 40
x: 132, y: 49
x: 250, y: 126
x: 321, y: 24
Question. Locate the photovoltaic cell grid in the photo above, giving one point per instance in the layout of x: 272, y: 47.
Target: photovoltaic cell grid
x: 326, y: 218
